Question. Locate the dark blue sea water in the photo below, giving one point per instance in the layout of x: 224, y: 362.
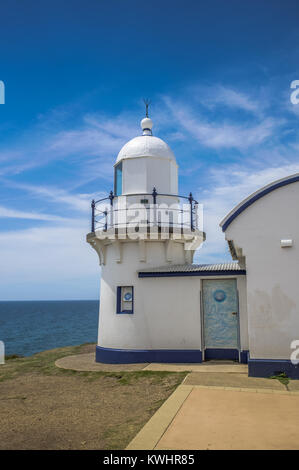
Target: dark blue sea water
x: 32, y: 326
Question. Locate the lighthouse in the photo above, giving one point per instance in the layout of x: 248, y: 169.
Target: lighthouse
x: 141, y: 225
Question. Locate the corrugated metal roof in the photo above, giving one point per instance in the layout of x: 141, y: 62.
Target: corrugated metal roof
x: 186, y: 268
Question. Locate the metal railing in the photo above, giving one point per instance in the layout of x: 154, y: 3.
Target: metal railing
x: 107, y: 213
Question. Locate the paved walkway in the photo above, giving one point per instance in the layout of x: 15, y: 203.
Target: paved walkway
x: 237, y: 412
x: 86, y: 362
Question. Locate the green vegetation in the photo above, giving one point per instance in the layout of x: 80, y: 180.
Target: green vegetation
x: 283, y: 378
x: 44, y: 363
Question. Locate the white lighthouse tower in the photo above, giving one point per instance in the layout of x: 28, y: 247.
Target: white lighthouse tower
x: 142, y: 224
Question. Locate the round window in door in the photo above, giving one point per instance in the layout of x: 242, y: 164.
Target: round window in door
x: 219, y: 295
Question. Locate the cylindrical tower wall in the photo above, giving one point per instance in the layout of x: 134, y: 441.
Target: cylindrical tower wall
x: 130, y: 331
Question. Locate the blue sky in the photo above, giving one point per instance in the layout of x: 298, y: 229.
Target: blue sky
x: 218, y: 74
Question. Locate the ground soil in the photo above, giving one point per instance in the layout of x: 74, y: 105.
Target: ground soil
x: 44, y: 407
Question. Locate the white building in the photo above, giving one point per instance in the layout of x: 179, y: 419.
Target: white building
x: 263, y: 234
x: 156, y: 306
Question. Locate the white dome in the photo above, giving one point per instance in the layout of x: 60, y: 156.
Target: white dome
x: 146, y: 146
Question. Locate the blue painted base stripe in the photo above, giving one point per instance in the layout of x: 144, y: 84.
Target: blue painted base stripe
x: 232, y: 354
x: 131, y: 356
x: 269, y: 367
x: 244, y: 356
x: 228, y: 272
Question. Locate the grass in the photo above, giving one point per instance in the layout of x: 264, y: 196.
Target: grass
x: 46, y: 407
x: 283, y: 378
x: 44, y: 363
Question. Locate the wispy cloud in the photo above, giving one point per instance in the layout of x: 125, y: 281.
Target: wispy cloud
x: 92, y: 144
x: 223, y: 134
x: 219, y: 95
x: 227, y: 135
x: 5, y: 212
x: 51, y: 262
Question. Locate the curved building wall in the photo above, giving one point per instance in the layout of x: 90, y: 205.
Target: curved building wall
x: 272, y: 271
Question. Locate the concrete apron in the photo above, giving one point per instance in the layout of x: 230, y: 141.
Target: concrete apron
x: 210, y: 366
x: 224, y: 417
x: 86, y: 362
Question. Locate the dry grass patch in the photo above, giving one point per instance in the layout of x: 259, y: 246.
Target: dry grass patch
x: 44, y: 407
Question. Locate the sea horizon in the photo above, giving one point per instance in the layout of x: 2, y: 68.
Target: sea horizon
x: 49, y: 300
x: 31, y: 326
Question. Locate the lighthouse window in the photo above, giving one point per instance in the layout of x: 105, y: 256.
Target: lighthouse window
x: 118, y: 179
x: 125, y: 299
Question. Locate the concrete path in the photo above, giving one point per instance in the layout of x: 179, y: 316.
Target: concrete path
x: 86, y: 362
x: 210, y: 366
x: 237, y: 381
x: 250, y: 414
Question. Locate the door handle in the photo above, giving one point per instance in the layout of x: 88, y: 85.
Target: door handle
x: 234, y: 313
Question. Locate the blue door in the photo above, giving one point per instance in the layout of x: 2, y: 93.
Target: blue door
x: 220, y: 319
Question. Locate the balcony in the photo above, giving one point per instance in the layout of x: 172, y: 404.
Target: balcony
x: 146, y: 212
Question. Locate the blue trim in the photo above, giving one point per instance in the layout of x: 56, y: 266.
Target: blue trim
x: 131, y: 356
x: 269, y: 367
x: 244, y: 356
x: 256, y: 197
x: 118, y: 301
x: 229, y: 272
x: 232, y: 354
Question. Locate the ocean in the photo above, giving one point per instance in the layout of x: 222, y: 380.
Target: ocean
x: 28, y: 327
